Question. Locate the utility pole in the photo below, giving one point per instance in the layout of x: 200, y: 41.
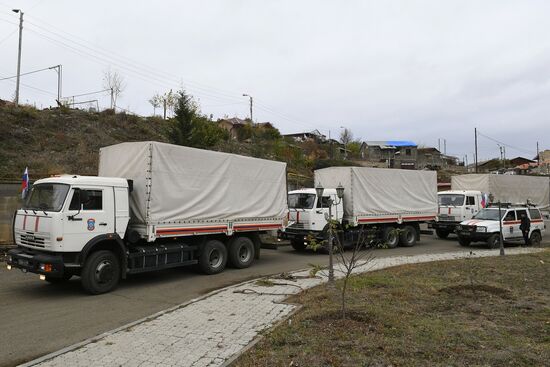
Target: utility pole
x: 475, y: 157
x: 18, y: 55
x: 112, y: 98
x: 439, y: 144
x: 251, y: 104
x: 538, y: 156
x: 59, y: 70
x: 445, y: 146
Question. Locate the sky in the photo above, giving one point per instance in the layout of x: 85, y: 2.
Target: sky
x: 387, y: 70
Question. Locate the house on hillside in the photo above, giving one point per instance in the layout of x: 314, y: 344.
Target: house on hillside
x: 432, y: 158
x: 232, y: 125
x: 520, y: 161
x: 396, y: 153
x: 314, y: 135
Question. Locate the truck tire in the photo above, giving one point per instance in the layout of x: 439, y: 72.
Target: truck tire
x: 493, y: 241
x: 407, y: 237
x: 213, y: 257
x: 390, y: 237
x: 101, y: 272
x: 464, y: 241
x: 241, y: 252
x: 535, y: 239
x: 442, y: 233
x: 298, y: 245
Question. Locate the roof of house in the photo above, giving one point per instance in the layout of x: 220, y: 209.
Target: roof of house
x: 313, y: 132
x: 390, y: 144
x: 428, y: 149
x: 234, y: 121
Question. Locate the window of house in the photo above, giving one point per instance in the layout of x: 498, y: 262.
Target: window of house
x: 408, y: 151
x: 95, y: 200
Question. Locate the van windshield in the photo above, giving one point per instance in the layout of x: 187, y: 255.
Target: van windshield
x: 488, y: 214
x: 451, y: 199
x: 301, y: 201
x: 46, y: 196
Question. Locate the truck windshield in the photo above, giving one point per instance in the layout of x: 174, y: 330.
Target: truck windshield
x: 46, y: 196
x: 488, y: 214
x: 301, y: 201
x: 451, y: 199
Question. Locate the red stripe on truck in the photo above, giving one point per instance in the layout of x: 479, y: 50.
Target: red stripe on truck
x: 24, y: 221
x: 171, y: 231
x: 36, y: 224
x: 256, y: 226
x: 395, y: 219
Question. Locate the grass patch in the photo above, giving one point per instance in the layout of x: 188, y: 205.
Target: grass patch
x: 474, y: 312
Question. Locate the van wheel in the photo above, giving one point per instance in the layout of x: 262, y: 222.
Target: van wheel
x: 241, y: 252
x: 390, y: 237
x: 535, y: 239
x: 213, y: 257
x: 464, y: 241
x: 441, y: 233
x: 101, y: 272
x: 493, y: 242
x: 407, y: 238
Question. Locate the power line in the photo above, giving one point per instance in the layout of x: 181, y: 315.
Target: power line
x: 505, y: 144
x: 27, y: 73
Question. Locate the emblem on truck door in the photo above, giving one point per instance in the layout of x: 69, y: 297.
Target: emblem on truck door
x: 91, y: 224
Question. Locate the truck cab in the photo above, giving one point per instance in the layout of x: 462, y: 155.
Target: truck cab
x: 63, y: 219
x: 454, y: 207
x: 485, y: 226
x: 308, y: 215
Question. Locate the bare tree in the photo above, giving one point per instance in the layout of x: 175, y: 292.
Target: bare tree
x: 346, y: 136
x: 358, y: 254
x: 156, y: 102
x: 113, y: 81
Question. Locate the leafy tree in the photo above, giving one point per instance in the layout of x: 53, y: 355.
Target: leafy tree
x: 192, y: 129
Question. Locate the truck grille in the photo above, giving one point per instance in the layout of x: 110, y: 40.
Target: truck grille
x: 32, y: 239
x: 298, y: 225
x: 446, y: 218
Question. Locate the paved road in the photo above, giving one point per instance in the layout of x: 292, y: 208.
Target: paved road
x: 38, y: 318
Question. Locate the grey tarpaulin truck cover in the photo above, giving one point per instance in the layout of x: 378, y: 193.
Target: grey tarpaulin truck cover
x: 515, y: 189
x: 379, y: 193
x: 180, y: 185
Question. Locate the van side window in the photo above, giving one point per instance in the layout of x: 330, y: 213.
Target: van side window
x: 535, y: 214
x: 323, y: 201
x: 95, y: 201
x: 470, y: 200
x: 520, y: 213
x: 511, y: 215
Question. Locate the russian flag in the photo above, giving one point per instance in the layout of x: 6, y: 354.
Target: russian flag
x: 25, y: 183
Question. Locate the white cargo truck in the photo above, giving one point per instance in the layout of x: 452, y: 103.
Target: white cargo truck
x: 153, y: 206
x: 472, y: 192
x: 376, y: 198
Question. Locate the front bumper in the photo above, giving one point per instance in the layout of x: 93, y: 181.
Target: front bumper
x: 473, y: 236
x: 296, y: 234
x: 50, y: 264
x: 446, y: 226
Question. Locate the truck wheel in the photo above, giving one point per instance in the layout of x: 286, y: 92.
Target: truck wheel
x: 298, y: 245
x: 464, y: 241
x: 241, y: 252
x: 101, y: 272
x: 407, y: 237
x: 493, y: 241
x: 441, y: 233
x: 213, y: 257
x: 390, y: 237
x: 535, y: 239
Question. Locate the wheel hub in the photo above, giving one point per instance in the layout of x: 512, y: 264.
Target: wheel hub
x: 104, y: 272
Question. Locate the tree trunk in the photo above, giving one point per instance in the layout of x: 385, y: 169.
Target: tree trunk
x: 344, y: 288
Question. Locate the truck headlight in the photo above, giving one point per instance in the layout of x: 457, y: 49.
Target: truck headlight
x: 481, y: 229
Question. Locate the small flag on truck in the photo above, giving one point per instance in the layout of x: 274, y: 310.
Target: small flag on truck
x: 25, y: 183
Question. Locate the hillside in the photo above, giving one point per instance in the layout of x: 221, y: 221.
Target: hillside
x: 65, y: 141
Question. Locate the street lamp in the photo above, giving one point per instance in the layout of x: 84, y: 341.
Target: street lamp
x: 340, y: 194
x: 251, y: 102
x: 18, y: 55
x: 345, y: 144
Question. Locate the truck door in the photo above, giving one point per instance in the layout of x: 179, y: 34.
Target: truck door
x: 469, y: 207
x: 321, y: 212
x: 95, y: 217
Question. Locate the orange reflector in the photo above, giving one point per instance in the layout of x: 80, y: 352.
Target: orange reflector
x: 48, y: 267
